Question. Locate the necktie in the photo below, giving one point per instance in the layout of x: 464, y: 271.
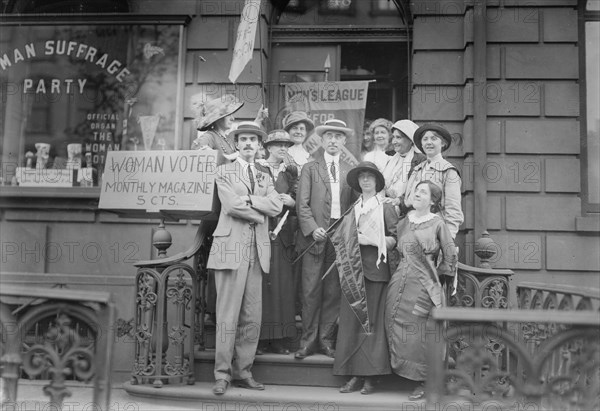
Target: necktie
x: 333, y: 171
x: 251, y: 178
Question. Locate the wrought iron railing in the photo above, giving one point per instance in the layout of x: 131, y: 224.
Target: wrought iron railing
x: 169, y: 313
x: 61, y: 349
x: 514, y: 359
x: 482, y: 288
x: 536, y: 296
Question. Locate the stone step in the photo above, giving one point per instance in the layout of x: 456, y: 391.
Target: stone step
x: 277, y: 369
x: 276, y: 397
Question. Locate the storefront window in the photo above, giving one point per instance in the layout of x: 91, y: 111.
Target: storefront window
x: 72, y: 93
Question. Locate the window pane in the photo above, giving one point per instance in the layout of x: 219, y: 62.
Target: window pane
x: 592, y: 54
x: 72, y: 93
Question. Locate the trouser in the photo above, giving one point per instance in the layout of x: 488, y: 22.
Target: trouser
x: 239, y: 311
x: 321, y: 299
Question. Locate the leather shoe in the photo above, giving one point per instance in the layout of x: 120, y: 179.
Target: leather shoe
x: 302, y: 353
x: 418, y: 393
x: 249, y: 383
x: 328, y: 351
x: 279, y: 349
x: 352, y: 385
x: 220, y: 387
x: 368, y: 387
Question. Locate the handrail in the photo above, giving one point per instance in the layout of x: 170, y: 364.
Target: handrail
x: 484, y: 271
x: 55, y: 294
x: 182, y: 256
x: 490, y: 315
x: 562, y: 289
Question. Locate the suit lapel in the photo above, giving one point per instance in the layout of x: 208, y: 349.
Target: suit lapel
x: 322, y: 170
x: 244, y: 176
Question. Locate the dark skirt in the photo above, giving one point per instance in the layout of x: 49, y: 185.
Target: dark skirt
x: 279, y: 295
x: 408, y: 324
x: 356, y: 352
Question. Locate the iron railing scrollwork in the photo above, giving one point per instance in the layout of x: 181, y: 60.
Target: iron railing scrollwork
x: 169, y: 315
x: 481, y: 288
x: 516, y: 358
x: 58, y: 334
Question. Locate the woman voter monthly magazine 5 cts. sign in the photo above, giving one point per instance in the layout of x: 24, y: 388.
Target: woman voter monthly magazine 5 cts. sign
x: 159, y: 181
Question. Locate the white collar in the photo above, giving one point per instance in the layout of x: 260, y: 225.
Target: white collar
x: 244, y: 163
x: 418, y: 220
x: 329, y: 158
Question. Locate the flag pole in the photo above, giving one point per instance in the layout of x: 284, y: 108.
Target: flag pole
x: 331, y: 227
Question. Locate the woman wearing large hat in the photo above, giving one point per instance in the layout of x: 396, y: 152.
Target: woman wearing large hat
x: 432, y: 139
x: 359, y: 355
x: 215, y: 118
x: 299, y: 126
x: 278, y: 287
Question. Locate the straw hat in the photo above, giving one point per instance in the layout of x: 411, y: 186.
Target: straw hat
x: 297, y: 117
x: 208, y: 112
x: 279, y: 137
x: 352, y: 176
x: 334, y: 125
x: 439, y: 130
x: 249, y: 127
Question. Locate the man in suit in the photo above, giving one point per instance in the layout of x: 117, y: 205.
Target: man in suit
x: 240, y: 253
x: 323, y: 196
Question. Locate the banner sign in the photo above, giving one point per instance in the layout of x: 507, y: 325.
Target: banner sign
x: 172, y: 183
x: 244, y: 43
x: 342, y: 100
x: 350, y: 269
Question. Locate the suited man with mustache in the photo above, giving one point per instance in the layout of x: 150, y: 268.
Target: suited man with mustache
x: 323, y: 196
x: 240, y: 253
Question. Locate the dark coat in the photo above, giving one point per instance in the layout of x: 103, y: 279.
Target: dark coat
x: 313, y: 200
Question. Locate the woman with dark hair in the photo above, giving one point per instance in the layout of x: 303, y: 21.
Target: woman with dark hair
x: 358, y: 354
x: 433, y: 139
x: 427, y: 261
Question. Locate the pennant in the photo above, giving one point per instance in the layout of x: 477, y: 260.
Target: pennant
x: 244, y: 42
x: 350, y: 269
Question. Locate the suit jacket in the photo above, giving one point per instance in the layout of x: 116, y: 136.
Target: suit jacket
x: 237, y: 219
x: 313, y: 200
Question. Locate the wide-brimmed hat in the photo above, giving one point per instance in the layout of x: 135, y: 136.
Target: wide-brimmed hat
x: 207, y: 112
x: 438, y: 128
x: 352, y: 176
x: 407, y: 128
x: 334, y: 125
x: 297, y: 117
x: 248, y: 127
x: 278, y: 137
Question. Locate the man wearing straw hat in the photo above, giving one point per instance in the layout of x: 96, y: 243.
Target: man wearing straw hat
x: 322, y: 198
x: 240, y: 253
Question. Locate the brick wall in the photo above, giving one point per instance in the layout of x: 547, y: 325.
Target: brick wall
x: 533, y: 137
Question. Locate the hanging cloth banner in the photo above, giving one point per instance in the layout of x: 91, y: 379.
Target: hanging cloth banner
x: 244, y: 43
x: 342, y: 100
x: 350, y: 269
